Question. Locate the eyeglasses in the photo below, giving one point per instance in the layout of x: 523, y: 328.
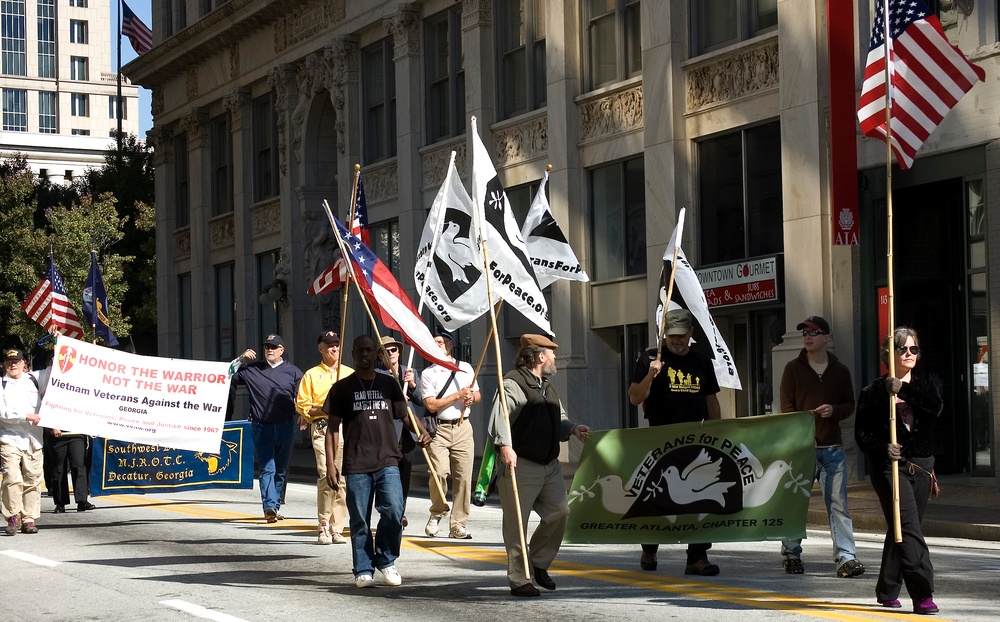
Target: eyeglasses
x: 392, y: 349
x: 812, y: 332
x: 268, y: 346
x: 914, y: 350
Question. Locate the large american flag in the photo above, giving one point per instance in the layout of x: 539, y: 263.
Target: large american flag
x: 138, y: 33
x: 49, y: 306
x: 928, y: 76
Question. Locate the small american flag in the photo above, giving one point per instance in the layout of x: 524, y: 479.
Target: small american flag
x: 359, y: 226
x: 139, y: 34
x: 49, y: 306
x: 927, y: 74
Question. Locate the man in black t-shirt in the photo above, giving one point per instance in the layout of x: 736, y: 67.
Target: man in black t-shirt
x: 680, y: 387
x: 367, y: 403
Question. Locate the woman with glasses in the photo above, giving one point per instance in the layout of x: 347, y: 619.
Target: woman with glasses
x: 918, y: 405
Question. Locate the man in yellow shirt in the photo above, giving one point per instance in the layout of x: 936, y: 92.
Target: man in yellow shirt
x: 313, y: 389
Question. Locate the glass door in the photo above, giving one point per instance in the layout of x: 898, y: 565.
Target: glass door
x: 980, y: 400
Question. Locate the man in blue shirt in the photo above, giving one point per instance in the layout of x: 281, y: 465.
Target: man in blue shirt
x: 272, y: 385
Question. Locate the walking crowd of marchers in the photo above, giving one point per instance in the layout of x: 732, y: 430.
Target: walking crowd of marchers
x: 364, y: 432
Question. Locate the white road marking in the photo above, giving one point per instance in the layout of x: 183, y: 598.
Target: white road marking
x: 200, y: 612
x: 31, y: 559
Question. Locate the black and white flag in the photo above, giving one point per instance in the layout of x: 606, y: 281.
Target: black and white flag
x: 551, y: 255
x: 510, y: 268
x: 448, y: 272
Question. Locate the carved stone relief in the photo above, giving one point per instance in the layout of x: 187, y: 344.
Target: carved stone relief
x: 234, y: 61
x: 182, y: 244
x: 742, y: 73
x: 525, y: 141
x: 312, y: 75
x: 435, y: 164
x: 280, y: 79
x: 267, y: 219
x: 311, y: 20
x: 195, y: 125
x: 614, y: 114
x: 342, y: 58
x: 403, y: 26
x: 235, y: 103
x: 319, y: 251
x: 156, y: 102
x: 191, y: 84
x: 382, y: 183
x: 477, y: 13
x: 162, y: 141
x: 223, y: 231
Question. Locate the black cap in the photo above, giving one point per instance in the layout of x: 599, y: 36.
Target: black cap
x: 443, y: 333
x: 274, y: 340
x: 814, y: 322
x: 13, y: 354
x: 328, y: 337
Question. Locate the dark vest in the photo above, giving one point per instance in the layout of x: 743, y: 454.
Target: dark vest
x: 535, y: 431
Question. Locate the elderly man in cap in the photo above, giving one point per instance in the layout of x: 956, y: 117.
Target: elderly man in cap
x: 448, y: 395
x: 529, y: 451
x: 816, y: 381
x: 331, y: 505
x: 388, y: 353
x: 272, y: 385
x: 20, y: 446
x: 678, y: 386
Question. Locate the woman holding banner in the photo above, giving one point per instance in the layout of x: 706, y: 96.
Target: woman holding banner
x: 918, y: 405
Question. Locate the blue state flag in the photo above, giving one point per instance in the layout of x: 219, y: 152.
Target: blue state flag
x: 95, y: 304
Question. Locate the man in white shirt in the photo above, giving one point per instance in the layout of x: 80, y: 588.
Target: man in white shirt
x: 20, y: 446
x: 449, y: 395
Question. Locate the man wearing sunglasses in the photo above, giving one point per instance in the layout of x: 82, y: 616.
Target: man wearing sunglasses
x: 816, y: 381
x: 272, y: 384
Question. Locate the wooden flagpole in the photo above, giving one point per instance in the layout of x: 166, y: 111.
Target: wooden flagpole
x: 891, y: 358
x: 670, y: 285
x: 378, y: 338
x: 343, y: 257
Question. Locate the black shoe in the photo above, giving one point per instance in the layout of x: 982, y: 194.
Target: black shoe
x: 83, y: 506
x: 647, y: 561
x: 702, y: 567
x: 793, y: 565
x: 542, y: 578
x: 524, y: 590
x: 60, y: 509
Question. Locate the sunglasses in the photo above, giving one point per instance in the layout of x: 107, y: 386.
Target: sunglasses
x: 914, y: 350
x: 270, y: 347
x: 812, y: 332
x: 392, y: 349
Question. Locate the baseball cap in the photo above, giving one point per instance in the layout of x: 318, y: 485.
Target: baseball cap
x: 274, y: 340
x: 815, y: 322
x: 538, y: 341
x: 328, y: 337
x: 678, y: 322
x: 443, y: 333
x: 13, y: 354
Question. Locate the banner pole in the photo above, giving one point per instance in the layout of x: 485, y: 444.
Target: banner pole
x: 670, y: 286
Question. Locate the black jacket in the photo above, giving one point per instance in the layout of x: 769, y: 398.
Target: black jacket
x: 871, y: 426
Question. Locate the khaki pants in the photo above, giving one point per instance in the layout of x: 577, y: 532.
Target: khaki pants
x: 452, y: 453
x: 331, y: 505
x: 540, y: 488
x: 22, y: 477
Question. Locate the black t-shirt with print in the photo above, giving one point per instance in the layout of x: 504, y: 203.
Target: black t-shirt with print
x: 367, y: 409
x: 677, y: 394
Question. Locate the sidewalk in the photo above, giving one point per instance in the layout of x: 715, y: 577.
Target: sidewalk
x: 964, y: 509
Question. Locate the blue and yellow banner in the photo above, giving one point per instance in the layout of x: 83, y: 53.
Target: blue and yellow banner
x: 121, y: 467
x: 729, y: 480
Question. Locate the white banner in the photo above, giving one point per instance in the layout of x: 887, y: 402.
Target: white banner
x: 167, y: 402
x: 551, y: 255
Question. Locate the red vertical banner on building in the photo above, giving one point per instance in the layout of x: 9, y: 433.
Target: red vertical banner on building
x: 843, y: 124
x: 883, y: 323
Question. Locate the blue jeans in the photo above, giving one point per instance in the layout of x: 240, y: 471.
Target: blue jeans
x: 383, y: 489
x: 272, y: 447
x: 831, y: 471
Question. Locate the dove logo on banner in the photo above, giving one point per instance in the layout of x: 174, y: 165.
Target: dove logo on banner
x: 448, y: 271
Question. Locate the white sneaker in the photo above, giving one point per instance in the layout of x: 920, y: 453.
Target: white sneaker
x: 364, y: 580
x: 433, y: 525
x: 338, y: 538
x: 324, y: 534
x: 390, y: 576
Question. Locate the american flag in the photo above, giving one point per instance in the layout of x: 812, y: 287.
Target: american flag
x: 49, y: 306
x: 359, y: 226
x: 928, y: 76
x: 139, y: 34
x: 330, y: 279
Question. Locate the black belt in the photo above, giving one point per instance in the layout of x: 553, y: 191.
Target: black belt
x: 455, y: 422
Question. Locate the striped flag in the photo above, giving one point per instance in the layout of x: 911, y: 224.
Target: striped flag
x: 330, y: 279
x: 927, y: 77
x: 49, y: 306
x: 359, y: 226
x: 139, y: 34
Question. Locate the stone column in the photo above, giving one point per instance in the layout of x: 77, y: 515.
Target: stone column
x: 196, y: 126
x: 240, y: 108
x: 164, y: 169
x: 343, y: 82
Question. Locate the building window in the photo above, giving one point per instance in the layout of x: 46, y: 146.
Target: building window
x: 613, y: 41
x: 225, y: 313
x: 79, y: 104
x: 739, y: 177
x: 520, y: 34
x: 79, y: 132
x: 618, y: 208
x: 270, y: 319
x: 78, y: 31
x: 378, y: 96
x: 385, y: 243
x: 47, y: 109
x: 113, y: 110
x: 221, y: 161
x: 718, y: 23
x: 79, y: 68
x: 46, y: 39
x: 15, y: 110
x: 182, y: 198
x: 265, y: 129
x: 520, y: 197
x: 78, y: 3
x: 12, y: 37
x: 184, y: 315
x: 445, y: 75
x: 207, y: 6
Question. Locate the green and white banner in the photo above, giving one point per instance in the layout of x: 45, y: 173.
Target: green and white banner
x: 730, y: 480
